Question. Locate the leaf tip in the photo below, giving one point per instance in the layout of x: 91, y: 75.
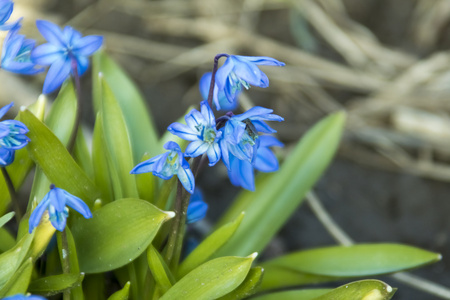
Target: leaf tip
x: 253, y: 255
x: 170, y: 214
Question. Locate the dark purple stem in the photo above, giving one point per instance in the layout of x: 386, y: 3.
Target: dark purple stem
x: 76, y: 77
x: 213, y: 76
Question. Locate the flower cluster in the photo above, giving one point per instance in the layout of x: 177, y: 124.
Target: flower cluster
x: 12, y: 137
x: 66, y: 51
x: 242, y: 141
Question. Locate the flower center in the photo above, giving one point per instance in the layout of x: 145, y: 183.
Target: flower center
x: 209, y: 135
x: 236, y: 82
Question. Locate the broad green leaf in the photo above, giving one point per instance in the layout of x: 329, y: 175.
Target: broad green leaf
x: 121, y: 294
x: 82, y: 155
x: 248, y: 287
x: 71, y: 252
x: 159, y: 269
x: 56, y: 162
x: 276, y: 201
x: 279, y: 277
x: 6, y: 218
x: 146, y: 183
x: 364, y: 290
x: 118, y: 233
x: 18, y: 283
x: 11, y: 260
x: 56, y: 284
x: 209, y: 246
x: 212, y: 280
x: 100, y: 162
x: 61, y: 121
x: 306, y: 294
x: 117, y: 143
x: 7, y: 241
x: 22, y: 164
x: 143, y: 133
x: 356, y: 260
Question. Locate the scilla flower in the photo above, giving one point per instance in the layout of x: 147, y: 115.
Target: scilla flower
x: 201, y: 131
x: 16, y: 53
x: 23, y: 297
x: 197, y: 208
x: 241, y: 172
x: 6, y: 156
x: 220, y: 100
x: 6, y: 9
x: 55, y: 202
x: 242, y: 71
x: 12, y: 132
x: 168, y: 164
x: 66, y: 50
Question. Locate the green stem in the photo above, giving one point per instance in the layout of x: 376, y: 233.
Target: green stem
x: 12, y: 194
x: 65, y: 260
x: 73, y: 136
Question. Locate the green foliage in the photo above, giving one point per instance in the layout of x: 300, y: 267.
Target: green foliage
x: 56, y: 284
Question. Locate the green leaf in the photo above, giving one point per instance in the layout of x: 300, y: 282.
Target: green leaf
x: 56, y: 162
x: 22, y: 164
x: 356, y: 260
x: 146, y: 183
x: 306, y: 294
x: 6, y: 218
x: 18, y: 283
x: 279, y: 277
x: 212, y: 280
x: 118, y: 233
x: 248, y: 287
x: 7, y: 241
x: 121, y: 294
x: 82, y: 155
x: 120, y: 156
x: 11, y: 260
x: 56, y: 284
x: 143, y: 133
x: 209, y: 246
x: 159, y: 269
x: 100, y: 162
x: 275, y: 201
x: 364, y: 290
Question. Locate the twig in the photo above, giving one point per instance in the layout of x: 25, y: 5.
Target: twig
x: 342, y: 238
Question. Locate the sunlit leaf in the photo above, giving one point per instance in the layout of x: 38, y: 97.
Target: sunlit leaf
x: 248, y: 287
x: 56, y: 284
x: 121, y: 294
x: 18, y: 283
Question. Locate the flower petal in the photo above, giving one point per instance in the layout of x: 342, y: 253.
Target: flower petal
x: 37, y: 213
x: 78, y: 204
x: 5, y: 108
x: 247, y: 71
x: 187, y: 179
x: 223, y: 72
x: 82, y: 64
x: 262, y: 60
x: 183, y: 131
x: 204, y: 85
x: 265, y: 160
x: 196, y: 148
x: 87, y: 45
x: 253, y: 112
x: 46, y: 54
x: 207, y: 113
x: 213, y: 154
x: 269, y: 141
x: 52, y: 33
x: 241, y: 174
x: 6, y: 156
x: 148, y: 165
x: 194, y: 119
x: 56, y: 75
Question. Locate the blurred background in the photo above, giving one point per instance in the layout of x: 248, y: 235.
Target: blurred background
x: 385, y: 62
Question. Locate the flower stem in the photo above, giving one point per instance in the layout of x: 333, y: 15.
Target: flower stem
x: 176, y: 234
x: 12, y: 194
x: 74, y: 134
x: 213, y: 76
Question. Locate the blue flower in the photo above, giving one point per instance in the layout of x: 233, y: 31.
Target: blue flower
x: 242, y: 71
x: 65, y: 50
x: 55, y: 202
x: 197, y: 208
x: 6, y: 9
x: 23, y: 297
x: 168, y: 164
x: 12, y: 132
x: 241, y: 171
x: 6, y: 156
x: 16, y: 53
x: 240, y: 135
x: 220, y: 100
x: 201, y: 131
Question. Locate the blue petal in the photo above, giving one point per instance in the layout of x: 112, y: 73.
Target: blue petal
x: 52, y: 33
x: 247, y: 71
x: 57, y: 73
x: 196, y: 148
x: 207, y: 113
x: 261, y: 126
x: 46, y: 54
x: 194, y: 119
x: 87, y: 45
x: 37, y: 213
x: 77, y: 204
x: 148, y: 165
x: 11, y: 47
x: 187, y: 179
x: 223, y: 72
x: 265, y: 160
x: 6, y: 156
x: 253, y: 112
x: 204, y: 85
x: 261, y: 60
x: 6, y: 9
x: 225, y: 153
x: 71, y: 36
x: 57, y: 199
x: 269, y: 141
x: 16, y: 126
x: 24, y: 68
x: 183, y: 131
x: 5, y: 108
x: 172, y: 146
x: 58, y: 218
x: 241, y: 174
x: 82, y: 65
x: 196, y: 210
x: 213, y: 154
